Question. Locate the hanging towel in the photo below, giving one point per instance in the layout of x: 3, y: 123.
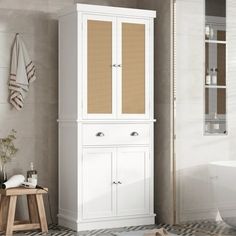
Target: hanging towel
x: 22, y: 73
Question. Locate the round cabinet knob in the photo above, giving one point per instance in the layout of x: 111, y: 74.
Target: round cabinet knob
x: 119, y: 182
x: 100, y: 134
x: 114, y: 182
x: 134, y: 134
x: 119, y: 65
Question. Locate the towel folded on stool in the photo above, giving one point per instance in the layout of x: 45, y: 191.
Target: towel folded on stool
x: 157, y: 232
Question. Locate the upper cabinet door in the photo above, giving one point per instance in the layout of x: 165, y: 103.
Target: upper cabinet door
x: 133, y: 68
x: 98, y: 69
x: 117, y: 65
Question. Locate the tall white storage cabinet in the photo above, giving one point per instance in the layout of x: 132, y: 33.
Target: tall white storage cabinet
x: 105, y: 117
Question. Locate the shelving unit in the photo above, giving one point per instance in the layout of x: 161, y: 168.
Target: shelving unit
x: 215, y: 86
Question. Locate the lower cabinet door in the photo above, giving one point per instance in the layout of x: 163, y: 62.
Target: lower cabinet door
x: 133, y: 181
x: 98, y: 189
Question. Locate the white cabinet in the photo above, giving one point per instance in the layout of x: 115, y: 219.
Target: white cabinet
x: 105, y: 117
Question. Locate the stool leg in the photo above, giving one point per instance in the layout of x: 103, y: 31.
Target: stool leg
x: 41, y: 212
x: 4, y: 203
x: 11, y: 215
x: 32, y: 206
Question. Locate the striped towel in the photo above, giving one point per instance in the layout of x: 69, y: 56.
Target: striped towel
x: 21, y: 75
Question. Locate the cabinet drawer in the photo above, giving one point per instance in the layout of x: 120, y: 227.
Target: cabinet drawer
x: 116, y: 134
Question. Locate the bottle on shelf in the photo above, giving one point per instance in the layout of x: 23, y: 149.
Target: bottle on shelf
x: 211, y: 32
x: 207, y: 31
x: 214, y: 76
x: 216, y: 124
x: 32, y: 175
x: 208, y: 77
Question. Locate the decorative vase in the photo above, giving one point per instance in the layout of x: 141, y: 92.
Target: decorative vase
x: 3, y: 173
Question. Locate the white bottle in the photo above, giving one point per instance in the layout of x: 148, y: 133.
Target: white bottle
x: 211, y: 32
x: 32, y: 175
x: 207, y: 31
x: 216, y: 126
x: 208, y: 78
x: 214, y: 76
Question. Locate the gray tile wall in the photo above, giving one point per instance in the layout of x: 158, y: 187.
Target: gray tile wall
x: 36, y: 123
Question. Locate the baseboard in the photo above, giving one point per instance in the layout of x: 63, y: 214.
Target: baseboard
x: 105, y: 224
x: 67, y: 222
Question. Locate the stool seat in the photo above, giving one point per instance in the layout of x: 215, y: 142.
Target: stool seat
x: 35, y: 207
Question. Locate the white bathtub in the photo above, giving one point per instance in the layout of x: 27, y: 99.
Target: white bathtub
x: 223, y: 176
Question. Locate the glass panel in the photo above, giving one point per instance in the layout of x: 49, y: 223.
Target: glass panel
x: 99, y: 67
x: 215, y: 64
x: 133, y: 68
x: 215, y: 67
x: 215, y: 111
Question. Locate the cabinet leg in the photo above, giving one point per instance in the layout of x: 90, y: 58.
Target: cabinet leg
x: 11, y: 215
x: 41, y: 212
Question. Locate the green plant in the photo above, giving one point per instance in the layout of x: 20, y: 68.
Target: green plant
x: 7, y: 147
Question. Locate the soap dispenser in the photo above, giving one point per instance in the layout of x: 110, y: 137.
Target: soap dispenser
x: 214, y: 76
x: 32, y: 176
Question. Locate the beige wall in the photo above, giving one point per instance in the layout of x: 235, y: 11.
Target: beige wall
x: 163, y: 108
x: 36, y: 123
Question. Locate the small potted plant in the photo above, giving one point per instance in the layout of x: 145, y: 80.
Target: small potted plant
x: 7, y: 151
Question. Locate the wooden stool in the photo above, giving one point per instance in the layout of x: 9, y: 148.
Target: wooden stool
x: 35, y: 206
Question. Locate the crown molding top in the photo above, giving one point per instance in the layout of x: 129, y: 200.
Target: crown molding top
x: 98, y: 9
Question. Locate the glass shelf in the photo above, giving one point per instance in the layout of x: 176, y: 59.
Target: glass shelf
x: 215, y: 86
x: 215, y: 41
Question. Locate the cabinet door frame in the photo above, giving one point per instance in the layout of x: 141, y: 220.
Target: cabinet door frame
x: 147, y: 180
x: 86, y: 115
x: 101, y: 150
x: 148, y: 67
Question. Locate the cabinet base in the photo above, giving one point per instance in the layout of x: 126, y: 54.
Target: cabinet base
x: 105, y: 224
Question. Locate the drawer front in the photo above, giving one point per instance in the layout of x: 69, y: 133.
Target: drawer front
x: 109, y: 134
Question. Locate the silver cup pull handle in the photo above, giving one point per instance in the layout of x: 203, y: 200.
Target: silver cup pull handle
x: 134, y: 134
x: 100, y: 134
